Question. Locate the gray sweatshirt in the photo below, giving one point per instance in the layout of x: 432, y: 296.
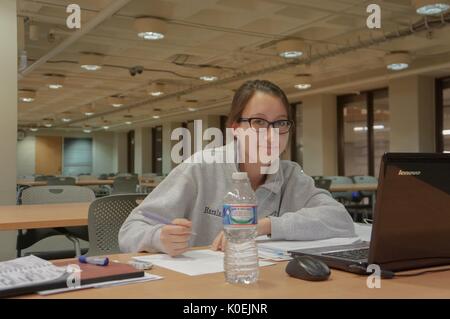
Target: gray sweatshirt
x: 195, y: 191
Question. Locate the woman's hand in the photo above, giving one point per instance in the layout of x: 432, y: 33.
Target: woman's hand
x: 264, y: 228
x: 175, y: 237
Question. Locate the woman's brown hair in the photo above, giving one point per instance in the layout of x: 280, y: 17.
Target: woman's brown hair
x: 246, y: 92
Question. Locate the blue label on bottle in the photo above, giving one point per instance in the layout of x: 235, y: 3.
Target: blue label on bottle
x: 239, y: 214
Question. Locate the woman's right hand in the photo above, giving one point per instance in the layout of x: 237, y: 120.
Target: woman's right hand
x: 175, y: 237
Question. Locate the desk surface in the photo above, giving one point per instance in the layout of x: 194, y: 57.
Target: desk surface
x: 273, y: 283
x: 83, y: 182
x: 13, y: 217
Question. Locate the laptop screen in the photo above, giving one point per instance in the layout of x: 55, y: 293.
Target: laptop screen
x: 411, y: 227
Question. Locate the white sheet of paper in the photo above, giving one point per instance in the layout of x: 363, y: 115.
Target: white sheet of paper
x: 192, y: 263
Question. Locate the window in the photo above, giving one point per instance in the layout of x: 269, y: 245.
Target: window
x: 77, y: 156
x: 363, y: 132
x: 296, y: 135
x: 443, y: 115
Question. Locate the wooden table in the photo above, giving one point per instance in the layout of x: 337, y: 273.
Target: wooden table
x: 14, y: 217
x: 273, y: 283
x: 353, y: 187
x: 83, y: 182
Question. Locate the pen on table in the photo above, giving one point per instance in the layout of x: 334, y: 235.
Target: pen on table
x: 161, y: 219
x: 99, y: 261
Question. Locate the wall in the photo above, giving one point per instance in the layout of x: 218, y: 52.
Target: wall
x: 103, y: 148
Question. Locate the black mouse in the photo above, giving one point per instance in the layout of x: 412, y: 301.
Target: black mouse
x: 308, y: 268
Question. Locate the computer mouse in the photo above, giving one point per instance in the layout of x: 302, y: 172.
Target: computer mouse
x: 308, y: 268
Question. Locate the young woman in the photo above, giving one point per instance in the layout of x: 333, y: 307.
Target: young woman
x: 290, y: 207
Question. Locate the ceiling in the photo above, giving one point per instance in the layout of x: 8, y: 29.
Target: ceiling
x: 239, y: 37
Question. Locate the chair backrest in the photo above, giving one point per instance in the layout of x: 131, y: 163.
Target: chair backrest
x: 336, y: 180
x: 61, y: 180
x: 57, y: 194
x: 323, y: 183
x: 106, y: 216
x: 86, y: 177
x: 362, y: 179
x: 125, y: 185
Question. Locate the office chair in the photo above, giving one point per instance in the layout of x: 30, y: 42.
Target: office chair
x: 106, y: 216
x: 54, y: 195
x: 125, y: 185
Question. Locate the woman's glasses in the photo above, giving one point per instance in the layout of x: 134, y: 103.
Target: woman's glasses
x: 256, y: 123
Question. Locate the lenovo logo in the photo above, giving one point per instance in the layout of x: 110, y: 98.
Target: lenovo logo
x: 409, y: 173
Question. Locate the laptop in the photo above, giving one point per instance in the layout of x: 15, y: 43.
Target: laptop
x: 411, y: 222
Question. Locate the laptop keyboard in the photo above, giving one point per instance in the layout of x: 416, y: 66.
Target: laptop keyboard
x: 355, y: 254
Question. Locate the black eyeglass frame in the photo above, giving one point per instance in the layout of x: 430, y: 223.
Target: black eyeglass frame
x: 249, y: 121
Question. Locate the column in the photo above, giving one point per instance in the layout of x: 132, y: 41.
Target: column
x: 320, y: 134
x: 8, y: 120
x: 142, y: 150
x: 412, y: 114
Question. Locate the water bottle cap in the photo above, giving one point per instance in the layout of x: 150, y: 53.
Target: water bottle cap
x: 240, y: 175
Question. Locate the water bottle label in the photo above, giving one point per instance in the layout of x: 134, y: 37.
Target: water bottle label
x: 239, y: 215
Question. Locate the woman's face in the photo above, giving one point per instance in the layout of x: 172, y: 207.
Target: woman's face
x: 269, y: 108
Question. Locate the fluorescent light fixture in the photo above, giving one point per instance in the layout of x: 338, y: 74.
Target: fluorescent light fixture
x: 290, y: 49
x: 303, y: 81
x: 150, y: 28
x: 34, y: 129
x: 66, y: 119
x: 48, y: 125
x: 156, y: 117
x: 191, y: 109
x: 446, y: 132
x: 55, y: 86
x: 91, y: 61
x: 378, y: 127
x: 86, y: 130
x: 128, y: 122
x: 209, y: 74
x: 397, y: 61
x: 431, y: 7
x: 27, y: 96
x: 105, y: 127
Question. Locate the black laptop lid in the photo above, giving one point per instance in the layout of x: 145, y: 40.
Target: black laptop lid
x: 411, y: 226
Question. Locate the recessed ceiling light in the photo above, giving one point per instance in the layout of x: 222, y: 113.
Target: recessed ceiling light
x: 55, y: 81
x: 150, y: 28
x: 431, y: 7
x: 87, y: 110
x: 105, y: 127
x: 156, y: 89
x: 156, y: 116
x: 209, y: 74
x: 446, y: 132
x: 86, y: 130
x: 303, y: 81
x: 191, y: 109
x: 290, y: 49
x: 128, y: 122
x: 116, y: 101
x: 48, y: 125
x: 397, y: 61
x: 27, y: 96
x: 66, y: 119
x: 34, y: 129
x: 91, y: 61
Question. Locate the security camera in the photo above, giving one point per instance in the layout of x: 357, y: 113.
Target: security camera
x: 138, y: 69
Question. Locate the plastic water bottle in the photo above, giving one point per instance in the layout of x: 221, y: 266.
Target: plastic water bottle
x: 240, y: 221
